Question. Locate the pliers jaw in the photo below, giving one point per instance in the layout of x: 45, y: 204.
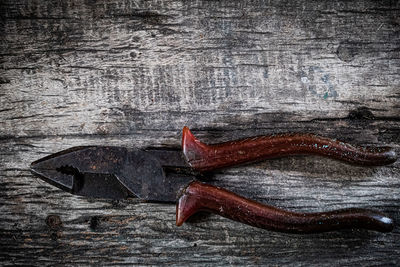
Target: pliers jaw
x: 115, y: 172
x: 71, y: 171
x: 50, y: 169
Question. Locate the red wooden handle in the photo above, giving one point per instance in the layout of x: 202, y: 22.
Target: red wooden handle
x: 209, y: 157
x: 202, y: 197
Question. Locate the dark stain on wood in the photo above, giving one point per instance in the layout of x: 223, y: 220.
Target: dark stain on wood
x: 94, y: 222
x: 361, y: 113
x: 54, y: 222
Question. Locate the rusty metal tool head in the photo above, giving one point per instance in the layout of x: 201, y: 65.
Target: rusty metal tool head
x: 114, y: 172
x: 168, y: 175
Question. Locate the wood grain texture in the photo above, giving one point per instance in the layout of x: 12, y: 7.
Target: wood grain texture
x: 133, y: 73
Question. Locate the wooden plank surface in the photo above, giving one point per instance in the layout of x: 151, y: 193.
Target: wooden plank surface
x: 133, y: 73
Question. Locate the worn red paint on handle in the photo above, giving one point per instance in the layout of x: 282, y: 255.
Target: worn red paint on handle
x: 209, y: 157
x: 202, y: 197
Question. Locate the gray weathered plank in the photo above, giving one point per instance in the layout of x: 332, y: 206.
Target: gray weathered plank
x: 133, y: 73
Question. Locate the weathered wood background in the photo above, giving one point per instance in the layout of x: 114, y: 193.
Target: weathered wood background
x: 133, y: 73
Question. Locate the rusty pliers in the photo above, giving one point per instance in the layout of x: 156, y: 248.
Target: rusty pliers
x: 171, y: 175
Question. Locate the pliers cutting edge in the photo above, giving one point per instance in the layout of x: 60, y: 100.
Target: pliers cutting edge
x: 171, y: 175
